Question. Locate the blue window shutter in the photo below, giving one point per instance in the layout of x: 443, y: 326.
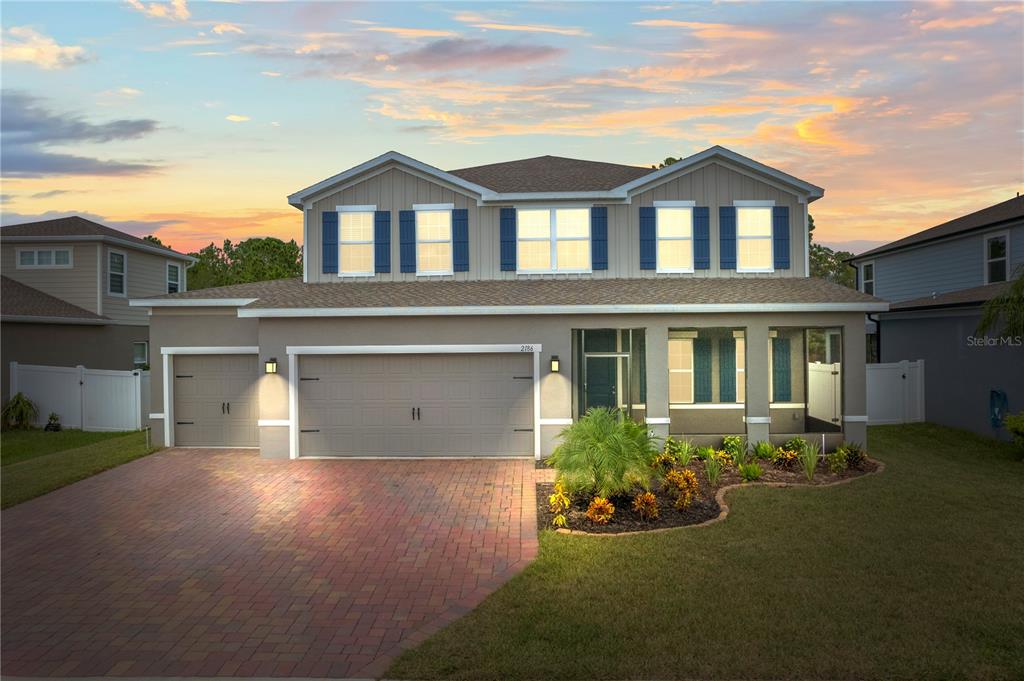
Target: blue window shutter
x: 726, y: 369
x: 460, y: 239
x: 701, y: 238
x: 329, y: 250
x: 382, y: 241
x: 780, y: 236
x: 648, y: 238
x: 508, y: 239
x: 599, y: 237
x: 782, y: 389
x: 407, y: 240
x: 701, y: 369
x: 727, y: 237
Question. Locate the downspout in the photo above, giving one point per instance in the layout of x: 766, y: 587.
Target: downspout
x: 878, y: 334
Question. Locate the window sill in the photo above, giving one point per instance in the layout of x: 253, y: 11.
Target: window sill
x: 752, y: 271
x: 435, y: 274
x: 43, y: 267
x: 529, y: 272
x: 659, y: 271
x: 351, y: 275
x: 707, y: 405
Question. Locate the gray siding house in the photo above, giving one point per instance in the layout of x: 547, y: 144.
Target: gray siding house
x: 65, y: 291
x: 937, y: 281
x: 478, y: 311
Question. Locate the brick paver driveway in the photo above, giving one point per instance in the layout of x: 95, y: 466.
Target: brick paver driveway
x: 216, y: 562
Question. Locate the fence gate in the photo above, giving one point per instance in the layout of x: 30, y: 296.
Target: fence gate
x: 895, y: 392
x: 824, y: 392
x: 90, y: 399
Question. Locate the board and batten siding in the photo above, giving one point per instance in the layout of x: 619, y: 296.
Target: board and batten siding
x: 397, y: 188
x: 147, y: 277
x: 75, y: 284
x: 942, y: 266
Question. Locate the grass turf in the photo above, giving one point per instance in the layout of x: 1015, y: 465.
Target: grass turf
x: 44, y: 472
x: 21, y: 445
x: 914, y: 573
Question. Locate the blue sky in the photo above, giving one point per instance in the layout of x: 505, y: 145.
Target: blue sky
x: 195, y: 120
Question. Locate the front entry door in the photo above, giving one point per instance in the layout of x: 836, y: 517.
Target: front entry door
x: 602, y: 382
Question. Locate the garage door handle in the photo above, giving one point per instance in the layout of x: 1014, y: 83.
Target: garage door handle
x: 522, y: 430
x: 414, y: 413
x: 229, y: 407
x: 183, y: 376
x: 185, y: 423
x: 522, y: 377
x: 309, y: 430
x: 418, y: 417
x: 309, y: 379
x: 221, y: 407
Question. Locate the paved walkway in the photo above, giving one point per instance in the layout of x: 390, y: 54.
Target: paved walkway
x: 219, y: 563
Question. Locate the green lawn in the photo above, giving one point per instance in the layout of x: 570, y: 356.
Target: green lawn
x: 36, y: 462
x: 917, y: 573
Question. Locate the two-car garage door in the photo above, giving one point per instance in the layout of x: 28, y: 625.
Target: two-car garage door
x: 416, y: 405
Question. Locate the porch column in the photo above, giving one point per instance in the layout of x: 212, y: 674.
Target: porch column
x: 758, y: 415
x: 657, y: 380
x: 854, y: 376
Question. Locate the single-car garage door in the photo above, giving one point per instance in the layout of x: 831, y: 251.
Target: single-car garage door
x: 215, y: 401
x: 416, y: 405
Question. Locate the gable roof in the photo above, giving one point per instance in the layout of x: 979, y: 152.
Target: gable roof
x: 82, y: 229
x: 19, y: 302
x: 292, y: 297
x: 555, y: 177
x: 551, y: 174
x: 1012, y: 209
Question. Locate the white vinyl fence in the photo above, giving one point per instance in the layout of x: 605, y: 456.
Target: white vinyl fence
x: 895, y: 392
x: 90, y: 399
x: 824, y: 391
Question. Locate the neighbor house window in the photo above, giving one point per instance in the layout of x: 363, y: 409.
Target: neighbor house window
x: 553, y: 240
x: 173, y: 278
x: 140, y: 354
x: 754, y: 239
x: 48, y: 258
x: 434, y: 240
x: 995, y: 258
x: 355, y: 240
x: 867, y: 278
x: 675, y: 238
x: 116, y: 273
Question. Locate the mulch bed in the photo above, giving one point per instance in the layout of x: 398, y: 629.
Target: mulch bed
x: 703, y: 507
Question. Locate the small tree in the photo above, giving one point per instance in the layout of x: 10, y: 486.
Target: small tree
x: 19, y: 412
x: 1005, y: 313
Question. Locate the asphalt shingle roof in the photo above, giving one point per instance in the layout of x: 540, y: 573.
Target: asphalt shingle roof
x: 993, y: 215
x: 658, y: 291
x: 551, y: 174
x: 964, y: 297
x: 75, y: 225
x: 20, y: 300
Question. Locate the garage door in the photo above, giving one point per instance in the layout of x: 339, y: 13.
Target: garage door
x: 416, y: 405
x: 215, y: 402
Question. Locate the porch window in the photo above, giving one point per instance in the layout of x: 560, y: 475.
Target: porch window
x: 553, y: 240
x: 706, y: 366
x: 805, y: 379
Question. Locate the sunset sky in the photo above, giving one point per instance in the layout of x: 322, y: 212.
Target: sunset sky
x: 195, y: 120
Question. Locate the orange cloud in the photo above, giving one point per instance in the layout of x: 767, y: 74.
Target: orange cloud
x: 710, y: 31
x: 411, y: 32
x: 945, y: 24
x: 26, y: 45
x: 531, y: 28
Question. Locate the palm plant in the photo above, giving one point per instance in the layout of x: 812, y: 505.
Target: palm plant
x: 605, y: 454
x: 19, y: 412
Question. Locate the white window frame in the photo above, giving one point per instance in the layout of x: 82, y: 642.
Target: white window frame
x: 357, y: 209
x: 35, y: 259
x: 768, y: 204
x: 177, y: 267
x: 436, y: 208
x: 124, y: 273
x: 684, y: 336
x: 741, y: 371
x: 553, y: 238
x: 1006, y: 256
x: 864, y: 280
x: 145, y: 344
x: 658, y: 238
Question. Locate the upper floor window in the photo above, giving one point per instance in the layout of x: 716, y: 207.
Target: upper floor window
x: 117, y: 273
x: 553, y: 240
x: 754, y: 239
x: 995, y: 258
x: 173, y: 277
x: 867, y: 278
x: 675, y: 237
x: 47, y: 258
x: 355, y: 240
x: 433, y: 239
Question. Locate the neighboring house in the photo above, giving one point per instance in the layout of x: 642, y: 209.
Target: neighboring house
x: 937, y: 281
x: 65, y: 291
x: 477, y: 312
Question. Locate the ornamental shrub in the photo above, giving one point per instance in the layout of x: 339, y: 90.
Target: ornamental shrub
x: 784, y: 458
x: 836, y: 461
x: 664, y: 461
x: 1015, y: 424
x: 724, y: 457
x: 605, y: 454
x: 750, y: 471
x: 855, y: 454
x: 713, y: 470
x: 808, y: 457
x: 763, y: 451
x: 794, y: 444
x: 645, y: 505
x: 736, y: 447
x: 559, y: 501
x: 682, y: 450
x: 705, y: 453
x: 683, y: 484
x: 19, y: 412
x: 600, y: 511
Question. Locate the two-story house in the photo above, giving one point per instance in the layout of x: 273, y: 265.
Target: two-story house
x: 65, y: 289
x: 477, y: 312
x: 938, y: 280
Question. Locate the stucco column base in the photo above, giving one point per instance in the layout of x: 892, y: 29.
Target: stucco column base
x: 757, y: 432
x: 856, y: 431
x: 660, y: 430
